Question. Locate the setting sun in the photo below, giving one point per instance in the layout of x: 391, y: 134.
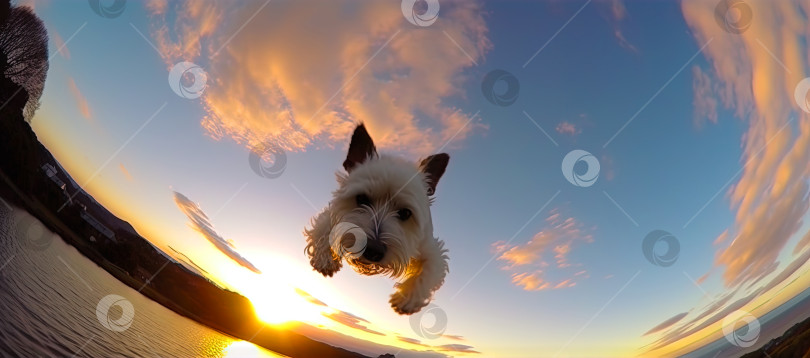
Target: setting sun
x: 273, y: 293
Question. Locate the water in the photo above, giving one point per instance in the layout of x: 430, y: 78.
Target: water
x: 49, y: 306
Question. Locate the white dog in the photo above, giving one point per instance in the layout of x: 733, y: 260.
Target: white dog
x: 387, y: 199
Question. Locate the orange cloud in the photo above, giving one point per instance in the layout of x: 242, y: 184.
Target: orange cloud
x: 157, y: 6
x: 453, y: 337
x: 567, y: 128
x: 618, y: 13
x: 757, y: 72
x: 81, y: 101
x: 531, y: 281
x: 457, y: 348
x: 704, y: 100
x: 125, y: 171
x: 529, y: 259
x: 311, y: 299
x: 59, y: 44
x: 350, y: 320
x: 297, y: 77
x: 412, y: 341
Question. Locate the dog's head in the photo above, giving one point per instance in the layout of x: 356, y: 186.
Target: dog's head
x: 389, y: 199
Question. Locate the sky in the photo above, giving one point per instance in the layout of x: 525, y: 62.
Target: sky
x: 625, y: 176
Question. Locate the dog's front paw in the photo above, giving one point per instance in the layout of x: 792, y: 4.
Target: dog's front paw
x: 406, y: 304
x: 326, y: 267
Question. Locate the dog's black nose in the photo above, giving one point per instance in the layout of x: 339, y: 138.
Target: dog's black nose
x: 375, y: 250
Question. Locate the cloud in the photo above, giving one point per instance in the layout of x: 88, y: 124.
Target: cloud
x: 454, y: 337
x: 412, y: 341
x: 81, y: 101
x: 200, y: 222
x: 618, y: 13
x: 531, y: 260
x: 458, y: 348
x: 666, y: 324
x: 531, y: 281
x: 803, y: 243
x: 157, y: 6
x: 567, y: 128
x: 718, y: 309
x: 298, y: 77
x: 690, y: 328
x: 350, y: 320
x: 770, y: 198
x: 618, y: 10
x: 310, y: 298
x: 125, y: 171
x: 59, y: 44
x: 704, y: 100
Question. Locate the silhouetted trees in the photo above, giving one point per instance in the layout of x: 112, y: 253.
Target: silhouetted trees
x: 24, y: 58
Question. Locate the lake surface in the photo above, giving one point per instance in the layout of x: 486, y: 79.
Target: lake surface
x: 56, y: 302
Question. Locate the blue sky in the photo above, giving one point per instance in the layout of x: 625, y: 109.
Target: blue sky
x: 136, y: 142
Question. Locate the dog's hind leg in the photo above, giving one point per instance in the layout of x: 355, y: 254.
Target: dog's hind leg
x: 318, y: 249
x: 425, y: 276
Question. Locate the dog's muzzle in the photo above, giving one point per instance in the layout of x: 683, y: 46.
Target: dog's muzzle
x: 375, y: 250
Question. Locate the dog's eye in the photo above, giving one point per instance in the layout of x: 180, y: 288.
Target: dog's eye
x: 404, y: 214
x: 363, y: 199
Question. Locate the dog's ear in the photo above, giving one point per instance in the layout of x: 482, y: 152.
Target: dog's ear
x: 360, y: 148
x: 433, y: 167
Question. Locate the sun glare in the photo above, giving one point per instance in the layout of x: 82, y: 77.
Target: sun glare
x: 277, y: 304
x: 273, y: 293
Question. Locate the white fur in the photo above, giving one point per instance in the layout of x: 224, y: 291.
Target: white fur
x: 413, y: 255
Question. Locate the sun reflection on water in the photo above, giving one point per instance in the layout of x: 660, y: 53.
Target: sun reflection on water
x: 245, y: 349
